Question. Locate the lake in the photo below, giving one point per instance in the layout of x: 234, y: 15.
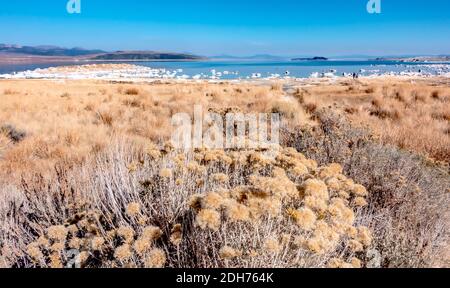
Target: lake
x: 246, y: 69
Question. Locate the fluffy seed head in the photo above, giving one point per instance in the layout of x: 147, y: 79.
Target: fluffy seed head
x: 155, y: 259
x: 57, y: 232
x: 123, y: 252
x: 165, y: 173
x: 97, y: 243
x: 237, y: 212
x: 208, y: 219
x: 141, y: 246
x: 305, y: 218
x: 356, y: 263
x: 133, y: 209
x: 34, y: 252
x: 176, y: 234
x: 359, y: 190
x: 316, y: 188
x: 127, y: 233
x: 151, y: 233
x: 212, y: 201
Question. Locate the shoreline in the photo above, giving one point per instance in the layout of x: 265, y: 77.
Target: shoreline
x: 137, y: 73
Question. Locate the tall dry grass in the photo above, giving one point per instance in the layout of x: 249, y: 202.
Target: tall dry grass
x: 413, y: 115
x: 79, y: 171
x: 65, y: 121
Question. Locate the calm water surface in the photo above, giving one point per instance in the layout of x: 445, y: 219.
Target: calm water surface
x: 244, y: 69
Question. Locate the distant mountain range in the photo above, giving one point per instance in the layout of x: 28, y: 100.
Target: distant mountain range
x: 80, y: 53
x: 47, y: 50
x: 145, y: 55
x: 10, y: 53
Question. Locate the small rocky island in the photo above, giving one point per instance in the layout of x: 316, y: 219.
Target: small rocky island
x: 317, y: 58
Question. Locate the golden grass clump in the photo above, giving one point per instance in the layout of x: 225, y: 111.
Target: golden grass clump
x: 212, y: 200
x: 155, y: 259
x: 364, y: 236
x: 97, y: 243
x: 123, y: 253
x: 133, y: 209
x: 127, y: 233
x: 305, y: 218
x: 165, y: 173
x: 131, y: 91
x: 208, y: 219
x: 316, y: 188
x: 359, y: 190
x: 360, y: 202
x: 355, y: 246
x: 176, y: 234
x: 152, y: 233
x: 57, y: 233
x: 141, y: 246
x: 35, y: 252
x: 340, y: 212
x: 339, y: 263
x: 112, y: 248
x: 237, y: 212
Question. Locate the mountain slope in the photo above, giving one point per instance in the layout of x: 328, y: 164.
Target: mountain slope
x: 145, y: 55
x: 47, y: 50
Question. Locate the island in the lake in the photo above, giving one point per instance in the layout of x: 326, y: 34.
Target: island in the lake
x: 317, y: 58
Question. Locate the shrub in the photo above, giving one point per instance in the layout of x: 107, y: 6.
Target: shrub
x: 105, y: 117
x: 131, y: 91
x: 113, y: 221
x: 9, y: 92
x: 12, y: 133
x: 407, y: 204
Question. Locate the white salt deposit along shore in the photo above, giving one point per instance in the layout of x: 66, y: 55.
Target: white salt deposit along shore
x: 88, y: 72
x: 130, y: 72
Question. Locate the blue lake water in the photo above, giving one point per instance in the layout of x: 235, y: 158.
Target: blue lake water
x: 244, y: 69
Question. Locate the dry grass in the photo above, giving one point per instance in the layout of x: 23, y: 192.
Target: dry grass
x: 79, y: 170
x: 411, y: 115
x: 68, y: 120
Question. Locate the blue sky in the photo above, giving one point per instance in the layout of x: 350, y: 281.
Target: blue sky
x: 211, y: 27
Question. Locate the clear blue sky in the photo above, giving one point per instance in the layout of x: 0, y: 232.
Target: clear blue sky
x: 211, y: 27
